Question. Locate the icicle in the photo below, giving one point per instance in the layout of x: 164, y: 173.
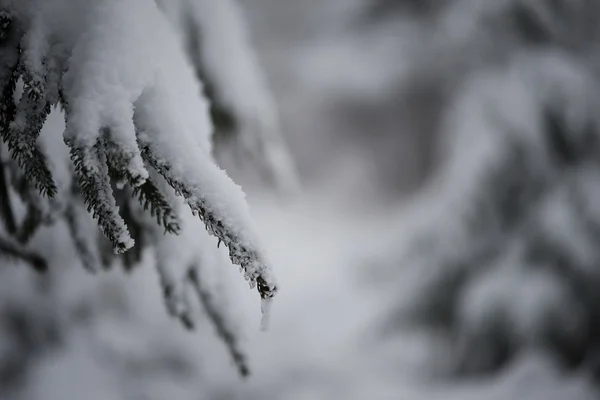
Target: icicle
x: 265, y: 308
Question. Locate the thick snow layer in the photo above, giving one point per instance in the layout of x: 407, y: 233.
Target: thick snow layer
x: 222, y: 51
x: 125, y: 78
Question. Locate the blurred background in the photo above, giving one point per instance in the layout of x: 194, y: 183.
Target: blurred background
x: 444, y: 245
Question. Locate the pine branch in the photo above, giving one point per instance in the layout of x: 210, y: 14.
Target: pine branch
x: 120, y: 161
x: 150, y: 197
x: 9, y: 45
x: 85, y: 244
x: 12, y: 250
x: 176, y: 301
x: 239, y: 254
x: 251, y: 133
x: 23, y: 132
x: 106, y: 252
x: 146, y: 192
x: 223, y: 330
x: 37, y: 213
x: 173, y: 287
x: 93, y: 179
x: 8, y: 80
x: 137, y: 230
x: 223, y: 118
x: 20, y: 125
x: 30, y: 225
x: 6, y: 211
x: 187, y: 319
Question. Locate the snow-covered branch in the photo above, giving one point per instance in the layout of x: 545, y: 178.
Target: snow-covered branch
x: 138, y: 133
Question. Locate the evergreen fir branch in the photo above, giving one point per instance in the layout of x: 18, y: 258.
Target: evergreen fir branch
x: 94, y: 182
x: 106, y: 252
x: 23, y: 132
x: 239, y: 254
x: 38, y: 210
x: 9, y: 46
x: 6, y: 211
x: 98, y: 245
x: 132, y: 257
x: 120, y: 161
x: 151, y: 198
x: 187, y: 319
x: 141, y: 228
x: 147, y: 193
x: 173, y: 288
x: 8, y: 80
x: 222, y: 117
x: 31, y: 223
x: 31, y: 160
x: 247, y: 133
x: 177, y: 303
x: 12, y: 250
x: 18, y: 182
x: 223, y: 330
x: 85, y: 245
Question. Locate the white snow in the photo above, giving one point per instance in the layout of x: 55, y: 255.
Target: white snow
x: 127, y: 78
x: 323, y: 338
x: 222, y: 48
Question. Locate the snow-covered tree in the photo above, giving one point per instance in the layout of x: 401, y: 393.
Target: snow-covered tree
x: 501, y: 244
x: 108, y: 113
